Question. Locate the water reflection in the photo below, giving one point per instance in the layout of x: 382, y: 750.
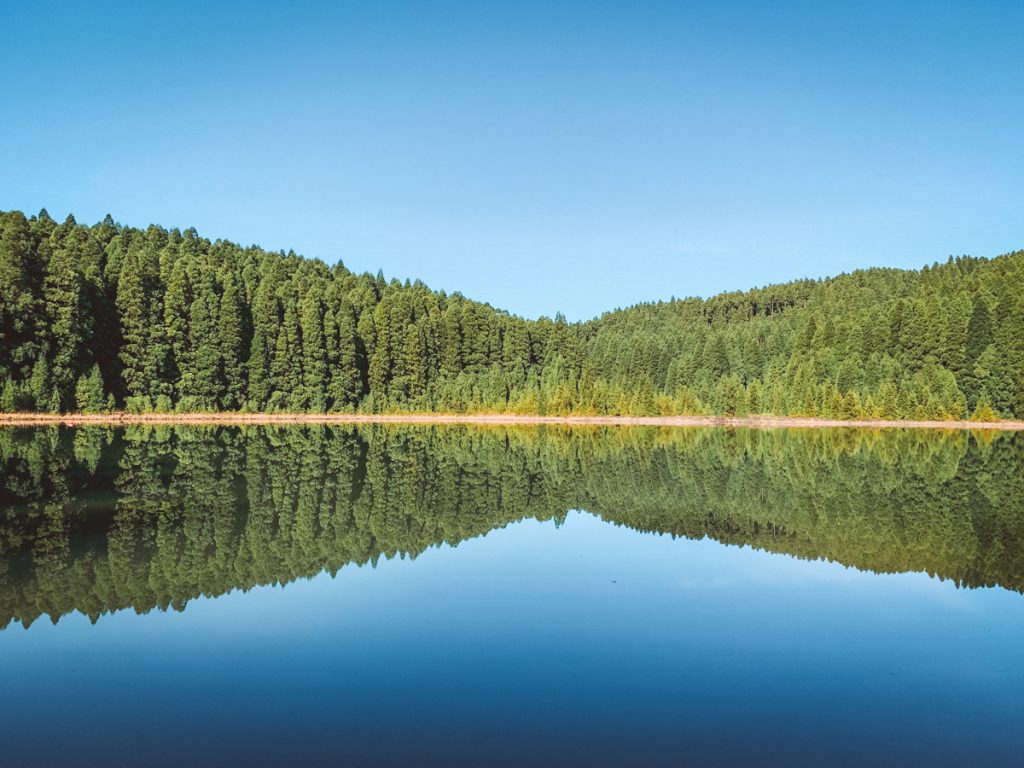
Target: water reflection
x: 97, y: 520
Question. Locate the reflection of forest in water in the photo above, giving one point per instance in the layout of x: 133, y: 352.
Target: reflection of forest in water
x: 96, y: 520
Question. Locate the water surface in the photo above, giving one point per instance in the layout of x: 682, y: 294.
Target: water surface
x: 453, y: 595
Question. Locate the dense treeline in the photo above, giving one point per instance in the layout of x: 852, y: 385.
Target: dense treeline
x: 109, y: 317
x: 96, y: 520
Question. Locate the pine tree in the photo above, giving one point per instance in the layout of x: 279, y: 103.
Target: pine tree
x: 133, y: 311
x: 39, y: 390
x: 230, y: 345
x: 413, y: 362
x: 979, y: 329
x: 715, y: 359
x: 451, y: 340
x: 70, y: 324
x: 314, y: 352
x: 202, y: 386
x: 265, y: 324
x: 9, y: 396
x: 20, y: 300
x: 89, y: 392
x: 382, y: 358
x: 285, y: 366
x: 177, y: 300
x: 1006, y: 382
x: 346, y: 380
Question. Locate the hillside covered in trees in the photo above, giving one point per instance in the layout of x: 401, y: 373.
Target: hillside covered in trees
x: 111, y: 317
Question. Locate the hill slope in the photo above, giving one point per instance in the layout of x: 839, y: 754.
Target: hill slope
x: 103, y: 317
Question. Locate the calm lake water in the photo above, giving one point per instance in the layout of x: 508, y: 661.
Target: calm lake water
x: 508, y: 596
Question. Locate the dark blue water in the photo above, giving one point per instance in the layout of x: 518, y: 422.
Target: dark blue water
x: 568, y: 641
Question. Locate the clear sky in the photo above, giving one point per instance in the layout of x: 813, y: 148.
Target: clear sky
x: 541, y: 157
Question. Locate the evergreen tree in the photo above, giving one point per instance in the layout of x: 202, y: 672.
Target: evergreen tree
x: 285, y: 365
x: 177, y: 300
x: 345, y: 379
x: 89, y: 392
x: 20, y: 299
x: 134, y: 312
x: 202, y: 385
x: 230, y: 345
x: 265, y: 324
x: 70, y: 324
x: 314, y: 352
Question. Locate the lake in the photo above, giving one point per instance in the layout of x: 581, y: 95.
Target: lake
x: 382, y: 595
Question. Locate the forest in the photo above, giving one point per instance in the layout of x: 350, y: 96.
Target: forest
x: 97, y: 520
x: 109, y: 317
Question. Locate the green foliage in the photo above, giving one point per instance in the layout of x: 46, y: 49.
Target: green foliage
x: 89, y: 392
x: 69, y: 327
x: 231, y: 345
x: 175, y: 322
x: 98, y: 520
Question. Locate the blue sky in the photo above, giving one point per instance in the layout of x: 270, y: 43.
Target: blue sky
x: 541, y: 157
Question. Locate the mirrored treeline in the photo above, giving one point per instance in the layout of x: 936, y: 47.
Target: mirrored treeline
x: 98, y: 520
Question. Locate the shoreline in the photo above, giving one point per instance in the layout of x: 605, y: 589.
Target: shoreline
x: 226, y: 419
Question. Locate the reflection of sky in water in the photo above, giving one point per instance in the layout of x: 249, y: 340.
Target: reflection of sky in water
x: 588, y: 644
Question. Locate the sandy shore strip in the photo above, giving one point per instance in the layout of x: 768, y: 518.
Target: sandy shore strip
x: 761, y: 422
